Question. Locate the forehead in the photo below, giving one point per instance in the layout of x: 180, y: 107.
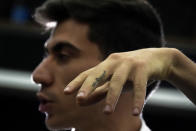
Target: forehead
x: 72, y: 32
x: 76, y: 34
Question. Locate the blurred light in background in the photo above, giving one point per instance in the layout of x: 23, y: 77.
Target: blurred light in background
x: 171, y: 98
x: 51, y: 24
x: 20, y: 13
x: 19, y: 80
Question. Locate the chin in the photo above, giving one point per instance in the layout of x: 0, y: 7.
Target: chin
x: 54, y: 123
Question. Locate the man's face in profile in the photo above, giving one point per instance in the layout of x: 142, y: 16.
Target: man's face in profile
x: 69, y: 52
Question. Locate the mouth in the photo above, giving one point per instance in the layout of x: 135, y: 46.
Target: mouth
x: 45, y: 103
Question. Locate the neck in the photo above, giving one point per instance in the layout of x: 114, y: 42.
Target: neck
x: 121, y: 120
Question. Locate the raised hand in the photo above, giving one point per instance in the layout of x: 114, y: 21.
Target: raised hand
x: 107, y: 79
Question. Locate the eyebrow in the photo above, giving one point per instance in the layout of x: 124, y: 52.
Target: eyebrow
x: 61, y: 45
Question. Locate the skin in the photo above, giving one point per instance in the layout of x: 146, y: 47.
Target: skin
x: 63, y: 63
x: 183, y: 75
x: 139, y: 67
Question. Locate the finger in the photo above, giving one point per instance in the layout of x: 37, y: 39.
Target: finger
x: 90, y: 84
x: 139, y: 92
x: 77, y: 82
x: 116, y: 84
x: 96, y: 96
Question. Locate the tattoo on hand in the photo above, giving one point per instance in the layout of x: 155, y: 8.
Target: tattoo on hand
x: 99, y: 80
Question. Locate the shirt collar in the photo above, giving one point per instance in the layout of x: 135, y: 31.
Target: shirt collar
x: 144, y: 127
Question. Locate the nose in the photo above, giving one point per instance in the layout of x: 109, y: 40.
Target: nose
x: 43, y: 74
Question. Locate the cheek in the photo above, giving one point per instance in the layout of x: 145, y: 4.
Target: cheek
x: 63, y: 77
x: 65, y: 74
x: 68, y: 73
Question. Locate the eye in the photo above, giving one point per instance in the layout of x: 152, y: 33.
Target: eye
x: 62, y: 57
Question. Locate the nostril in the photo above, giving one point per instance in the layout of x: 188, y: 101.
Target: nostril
x: 43, y: 87
x: 36, y: 78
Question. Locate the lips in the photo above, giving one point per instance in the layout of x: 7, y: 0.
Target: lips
x: 45, y: 103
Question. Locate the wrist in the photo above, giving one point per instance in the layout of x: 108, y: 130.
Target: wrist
x: 175, y: 66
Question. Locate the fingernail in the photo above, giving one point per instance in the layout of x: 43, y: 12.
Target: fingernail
x: 107, y: 109
x: 80, y: 94
x: 136, y: 112
x: 67, y: 89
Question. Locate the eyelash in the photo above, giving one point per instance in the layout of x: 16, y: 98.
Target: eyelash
x: 62, y: 57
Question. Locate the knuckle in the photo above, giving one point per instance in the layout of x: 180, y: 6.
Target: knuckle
x: 139, y: 94
x: 75, y: 82
x: 83, y: 74
x: 116, y: 78
x: 114, y: 56
x: 138, y: 98
x: 111, y: 94
x: 136, y: 62
x: 141, y: 63
x: 139, y: 87
x: 111, y: 90
x: 129, y: 59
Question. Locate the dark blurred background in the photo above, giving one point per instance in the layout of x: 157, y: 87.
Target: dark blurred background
x: 21, y: 41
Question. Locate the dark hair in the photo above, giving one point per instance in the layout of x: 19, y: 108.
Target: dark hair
x: 114, y: 25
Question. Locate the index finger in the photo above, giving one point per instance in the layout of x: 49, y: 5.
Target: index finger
x: 76, y: 83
